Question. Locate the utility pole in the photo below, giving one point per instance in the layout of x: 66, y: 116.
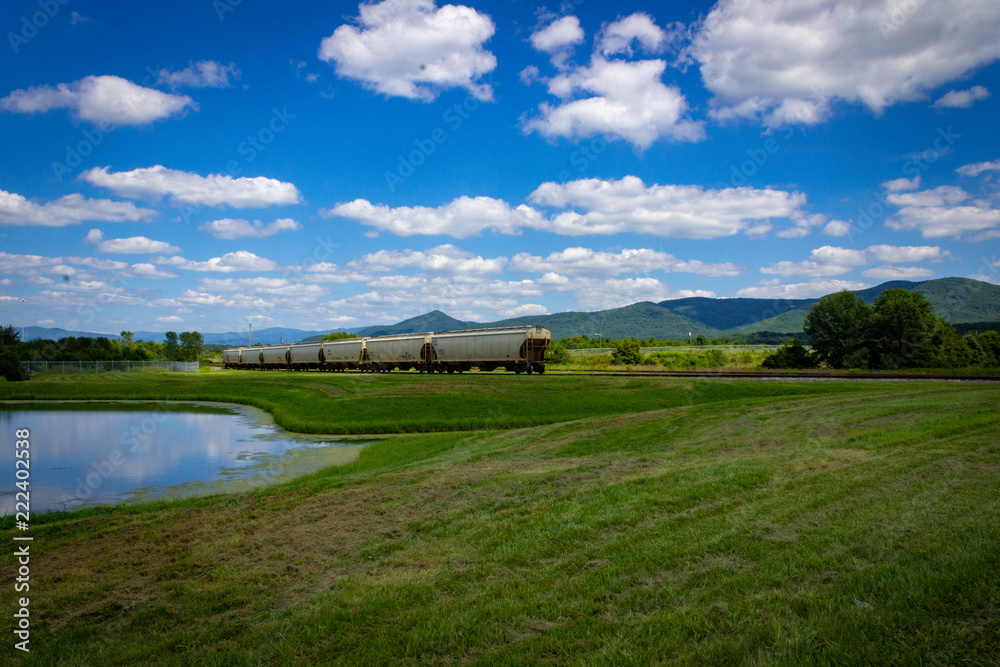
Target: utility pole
x: 689, y: 337
x: 22, y: 320
x: 250, y: 343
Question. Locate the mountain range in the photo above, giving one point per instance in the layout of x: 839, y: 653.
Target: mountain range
x: 957, y: 300
x: 269, y: 336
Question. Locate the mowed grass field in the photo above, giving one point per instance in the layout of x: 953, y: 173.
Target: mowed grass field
x: 313, y: 402
x: 589, y: 520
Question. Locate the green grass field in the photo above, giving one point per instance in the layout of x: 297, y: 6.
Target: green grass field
x: 588, y: 520
x: 405, y: 402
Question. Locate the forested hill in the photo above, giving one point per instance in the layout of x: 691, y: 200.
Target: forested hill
x: 957, y: 300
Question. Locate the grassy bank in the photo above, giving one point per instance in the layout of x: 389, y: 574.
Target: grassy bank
x: 675, y: 360
x: 820, y: 525
x: 406, y: 402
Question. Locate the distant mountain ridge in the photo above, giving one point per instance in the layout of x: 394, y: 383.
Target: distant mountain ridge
x: 957, y: 300
x: 269, y: 336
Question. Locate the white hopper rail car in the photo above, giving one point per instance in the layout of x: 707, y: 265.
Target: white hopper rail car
x: 515, y: 349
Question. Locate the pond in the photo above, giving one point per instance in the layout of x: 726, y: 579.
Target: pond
x: 85, y: 454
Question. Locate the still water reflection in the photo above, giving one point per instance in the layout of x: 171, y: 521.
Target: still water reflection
x: 98, y: 453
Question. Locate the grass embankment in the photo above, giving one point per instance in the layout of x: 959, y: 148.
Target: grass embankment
x: 358, y: 403
x: 672, y: 360
x: 859, y: 527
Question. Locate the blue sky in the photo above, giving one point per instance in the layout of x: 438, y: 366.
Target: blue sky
x: 202, y: 165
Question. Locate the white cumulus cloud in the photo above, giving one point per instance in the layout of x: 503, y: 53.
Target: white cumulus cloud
x: 201, y: 74
x: 898, y: 273
x: 101, y: 99
x: 462, y: 218
x: 146, y: 270
x: 807, y: 290
x: 136, y: 245
x: 837, y: 228
x: 413, y: 49
x: 467, y: 297
x: 16, y: 210
x: 188, y: 188
x: 446, y: 259
x: 897, y: 254
x: 787, y: 60
x: 587, y: 262
x: 680, y: 211
x: 595, y: 294
x: 961, y: 99
x: 240, y: 260
x: 230, y: 229
x: 825, y: 261
x: 558, y: 35
x: 524, y: 310
x: 978, y: 168
x: 618, y: 36
x: 289, y: 293
x: 615, y: 97
x: 902, y: 184
x: 942, y: 211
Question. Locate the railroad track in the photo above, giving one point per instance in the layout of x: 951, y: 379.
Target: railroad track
x: 789, y: 375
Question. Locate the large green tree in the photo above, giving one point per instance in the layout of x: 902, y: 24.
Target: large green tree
x: 990, y: 342
x: 838, y: 326
x: 191, y: 342
x: 171, y: 348
x: 902, y: 326
x: 11, y: 354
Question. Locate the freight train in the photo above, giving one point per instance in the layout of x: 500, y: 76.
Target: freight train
x: 518, y: 349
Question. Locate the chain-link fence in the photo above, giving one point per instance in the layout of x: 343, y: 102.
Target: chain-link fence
x: 673, y: 348
x: 111, y: 366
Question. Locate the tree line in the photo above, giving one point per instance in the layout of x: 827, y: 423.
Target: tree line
x: 899, y: 330
x: 186, y: 346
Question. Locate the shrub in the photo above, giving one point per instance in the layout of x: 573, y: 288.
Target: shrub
x: 627, y: 351
x: 558, y: 355
x: 717, y: 358
x: 791, y: 355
